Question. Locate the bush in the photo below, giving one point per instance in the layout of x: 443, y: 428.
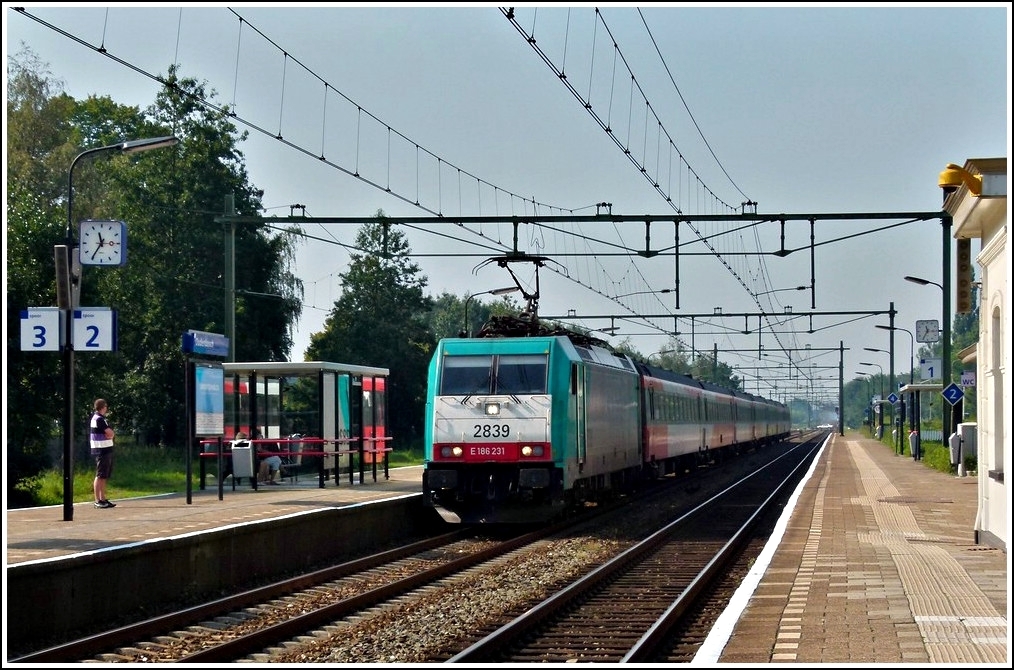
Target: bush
x: 137, y: 471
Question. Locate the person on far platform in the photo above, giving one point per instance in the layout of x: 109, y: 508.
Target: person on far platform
x: 101, y: 437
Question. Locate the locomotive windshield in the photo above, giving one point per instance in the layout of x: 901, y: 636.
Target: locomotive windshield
x: 523, y: 374
x: 465, y: 375
x: 502, y: 374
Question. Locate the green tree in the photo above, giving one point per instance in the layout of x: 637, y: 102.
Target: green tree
x: 38, y: 127
x: 381, y: 320
x: 676, y: 356
x: 172, y: 281
x: 673, y: 356
x: 447, y: 318
x: 626, y: 347
x: 707, y: 368
x: 857, y: 395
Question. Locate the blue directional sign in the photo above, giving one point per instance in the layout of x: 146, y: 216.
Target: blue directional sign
x: 952, y: 393
x: 210, y: 344
x: 893, y: 398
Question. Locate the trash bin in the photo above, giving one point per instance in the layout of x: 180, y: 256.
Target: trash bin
x: 969, y: 448
x: 954, y: 442
x: 242, y: 461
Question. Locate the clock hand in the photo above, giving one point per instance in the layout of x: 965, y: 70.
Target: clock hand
x: 100, y: 245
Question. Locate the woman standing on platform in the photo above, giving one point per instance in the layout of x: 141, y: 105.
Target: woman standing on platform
x: 102, y: 449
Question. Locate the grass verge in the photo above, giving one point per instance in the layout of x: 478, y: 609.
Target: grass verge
x: 147, y: 470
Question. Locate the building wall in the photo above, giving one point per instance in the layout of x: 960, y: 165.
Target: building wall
x: 994, y: 405
x: 983, y: 214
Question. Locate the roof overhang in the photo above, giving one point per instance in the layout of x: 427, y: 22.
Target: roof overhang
x: 975, y: 212
x: 284, y: 368
x: 922, y: 386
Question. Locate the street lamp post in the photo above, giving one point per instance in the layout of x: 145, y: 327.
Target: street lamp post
x: 881, y: 369
x: 906, y: 407
x: 70, y: 301
x: 945, y: 333
x: 779, y: 290
x: 877, y: 351
x: 911, y: 351
x: 660, y: 352
x: 496, y: 291
x: 880, y: 403
x: 894, y: 420
x: 869, y: 390
x: 625, y: 295
x: 922, y: 282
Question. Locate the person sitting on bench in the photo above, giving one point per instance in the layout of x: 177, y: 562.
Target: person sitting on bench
x: 271, y: 465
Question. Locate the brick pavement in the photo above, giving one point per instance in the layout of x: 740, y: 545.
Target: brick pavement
x: 877, y: 564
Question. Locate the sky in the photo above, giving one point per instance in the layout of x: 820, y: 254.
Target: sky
x: 350, y: 110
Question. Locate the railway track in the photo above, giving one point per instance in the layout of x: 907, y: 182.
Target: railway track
x: 450, y: 589
x: 247, y: 622
x: 626, y: 609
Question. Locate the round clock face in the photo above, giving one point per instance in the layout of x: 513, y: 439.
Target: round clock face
x: 103, y: 243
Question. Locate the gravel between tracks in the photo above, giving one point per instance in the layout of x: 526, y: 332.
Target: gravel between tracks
x: 423, y: 628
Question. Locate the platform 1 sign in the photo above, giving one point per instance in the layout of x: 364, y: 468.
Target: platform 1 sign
x: 930, y: 368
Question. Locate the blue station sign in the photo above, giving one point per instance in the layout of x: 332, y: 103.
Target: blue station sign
x: 208, y: 344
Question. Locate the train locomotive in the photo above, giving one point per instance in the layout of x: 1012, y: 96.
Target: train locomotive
x: 521, y: 428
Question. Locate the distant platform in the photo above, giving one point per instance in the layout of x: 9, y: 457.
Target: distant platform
x: 38, y: 533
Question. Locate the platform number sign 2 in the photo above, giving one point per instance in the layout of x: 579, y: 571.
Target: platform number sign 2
x: 94, y: 329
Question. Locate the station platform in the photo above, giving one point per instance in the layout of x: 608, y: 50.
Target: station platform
x: 40, y: 533
x: 874, y: 561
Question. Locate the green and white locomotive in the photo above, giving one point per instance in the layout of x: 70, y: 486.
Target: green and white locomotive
x: 519, y: 428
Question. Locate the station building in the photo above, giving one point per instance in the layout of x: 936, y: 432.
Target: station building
x: 975, y: 195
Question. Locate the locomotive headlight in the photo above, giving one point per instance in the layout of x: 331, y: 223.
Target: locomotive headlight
x: 532, y: 450
x: 448, y: 452
x: 492, y: 409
